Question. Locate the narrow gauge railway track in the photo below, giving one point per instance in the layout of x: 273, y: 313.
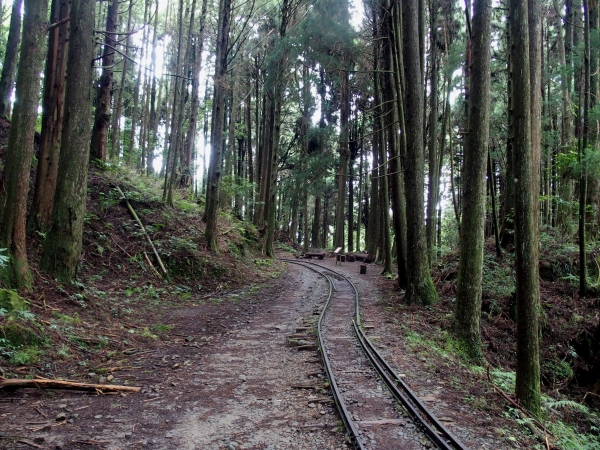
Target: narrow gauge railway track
x: 374, y: 417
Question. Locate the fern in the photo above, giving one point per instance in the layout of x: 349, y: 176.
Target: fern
x: 3, y: 258
x: 504, y: 380
x: 564, y: 404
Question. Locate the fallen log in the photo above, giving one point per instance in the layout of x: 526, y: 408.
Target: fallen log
x: 319, y: 255
x: 46, y: 383
x: 365, y: 257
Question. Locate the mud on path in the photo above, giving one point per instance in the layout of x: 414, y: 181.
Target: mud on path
x: 229, y: 377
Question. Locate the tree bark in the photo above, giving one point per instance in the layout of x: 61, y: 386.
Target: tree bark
x: 13, y: 202
x: 115, y: 138
x: 52, y: 119
x: 105, y: 86
x: 62, y: 247
x: 526, y: 242
x: 393, y: 113
x: 316, y: 242
x: 433, y: 174
x: 420, y: 288
x: 342, y: 174
x: 470, y: 271
x: 218, y: 118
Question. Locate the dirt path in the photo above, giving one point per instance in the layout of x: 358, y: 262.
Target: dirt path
x: 230, y: 379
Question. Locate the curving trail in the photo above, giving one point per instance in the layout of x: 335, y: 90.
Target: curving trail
x: 378, y: 408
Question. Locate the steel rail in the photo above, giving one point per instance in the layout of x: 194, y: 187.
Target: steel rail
x: 353, y: 432
x: 408, y: 398
x: 432, y: 427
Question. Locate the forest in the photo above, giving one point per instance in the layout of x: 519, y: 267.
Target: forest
x: 432, y: 135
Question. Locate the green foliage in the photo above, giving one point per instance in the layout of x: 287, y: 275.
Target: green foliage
x: 232, y: 186
x: 23, y: 356
x: 284, y: 247
x: 556, y: 370
x: 146, y: 333
x: 109, y: 199
x: 263, y: 262
x: 161, y: 328
x: 504, y: 380
x: 11, y: 301
x: 3, y: 258
x: 567, y: 434
x: 450, y: 235
x: 573, y: 165
x: 498, y: 277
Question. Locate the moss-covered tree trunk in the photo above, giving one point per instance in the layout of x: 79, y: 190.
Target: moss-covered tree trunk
x: 526, y: 240
x: 52, y: 119
x: 9, y: 63
x: 13, y: 202
x: 420, y: 288
x: 62, y: 247
x: 470, y: 272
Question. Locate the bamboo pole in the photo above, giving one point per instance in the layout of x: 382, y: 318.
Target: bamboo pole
x: 135, y: 216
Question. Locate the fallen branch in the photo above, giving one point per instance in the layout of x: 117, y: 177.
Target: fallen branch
x: 25, y: 441
x: 45, y: 383
x: 152, y: 266
x: 135, y: 216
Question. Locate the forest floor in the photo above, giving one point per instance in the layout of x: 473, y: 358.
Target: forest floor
x: 209, y: 345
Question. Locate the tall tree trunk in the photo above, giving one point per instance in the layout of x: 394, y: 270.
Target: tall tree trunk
x: 420, y: 288
x: 13, y: 202
x: 526, y: 242
x: 136, y: 101
x: 433, y: 174
x: 196, y: 68
x: 470, y: 271
x: 393, y: 114
x: 218, y: 118
x: 115, y: 139
x: 9, y: 63
x: 565, y: 189
x: 52, y: 119
x: 340, y: 216
x: 535, y: 74
x: 105, y: 88
x: 62, y: 247
x: 294, y: 218
x: 582, y: 151
x: 316, y: 242
x: 176, y: 125
x: 508, y: 192
x: 374, y: 216
x: 153, y: 123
